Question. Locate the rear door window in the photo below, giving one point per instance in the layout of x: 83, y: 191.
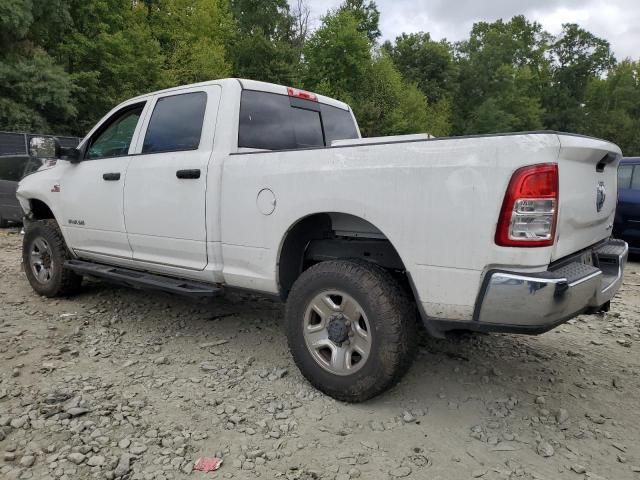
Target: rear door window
x: 176, y: 123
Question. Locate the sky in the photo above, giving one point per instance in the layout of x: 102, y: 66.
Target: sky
x: 617, y: 21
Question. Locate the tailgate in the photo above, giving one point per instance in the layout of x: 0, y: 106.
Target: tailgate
x: 588, y: 175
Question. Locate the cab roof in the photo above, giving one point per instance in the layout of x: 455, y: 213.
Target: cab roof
x: 245, y: 84
x: 630, y: 160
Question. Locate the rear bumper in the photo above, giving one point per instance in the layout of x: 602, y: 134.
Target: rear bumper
x: 534, y: 303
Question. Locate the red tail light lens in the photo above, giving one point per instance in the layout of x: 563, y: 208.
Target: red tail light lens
x: 294, y: 92
x: 530, y: 208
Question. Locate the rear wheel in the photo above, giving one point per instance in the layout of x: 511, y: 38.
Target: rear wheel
x: 43, y: 255
x: 351, y: 329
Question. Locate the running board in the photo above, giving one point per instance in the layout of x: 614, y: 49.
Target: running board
x: 143, y: 280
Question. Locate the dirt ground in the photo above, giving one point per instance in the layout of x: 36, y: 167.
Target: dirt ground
x: 117, y: 383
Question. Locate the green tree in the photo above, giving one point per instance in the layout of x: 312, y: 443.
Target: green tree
x: 109, y: 51
x: 366, y: 14
x: 35, y: 93
x: 266, y: 44
x: 612, y: 107
x: 337, y: 57
x: 386, y: 105
x: 578, y: 57
x: 340, y: 62
x: 192, y: 35
x: 503, y: 71
x: 427, y: 63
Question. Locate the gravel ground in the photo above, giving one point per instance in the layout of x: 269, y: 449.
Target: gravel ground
x: 116, y: 383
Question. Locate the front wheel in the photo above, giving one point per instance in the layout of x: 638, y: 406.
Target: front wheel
x: 351, y: 329
x: 43, y: 255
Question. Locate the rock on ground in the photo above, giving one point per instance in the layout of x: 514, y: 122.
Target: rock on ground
x: 121, y: 384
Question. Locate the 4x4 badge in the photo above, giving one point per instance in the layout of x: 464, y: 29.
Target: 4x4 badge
x: 601, y: 195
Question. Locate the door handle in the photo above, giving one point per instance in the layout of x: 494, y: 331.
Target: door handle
x: 111, y: 176
x: 193, y: 173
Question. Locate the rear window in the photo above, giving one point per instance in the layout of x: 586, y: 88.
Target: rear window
x: 269, y: 121
x: 338, y: 124
x: 176, y: 123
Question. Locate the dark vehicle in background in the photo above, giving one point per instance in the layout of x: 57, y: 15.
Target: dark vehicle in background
x: 15, y: 163
x: 627, y: 223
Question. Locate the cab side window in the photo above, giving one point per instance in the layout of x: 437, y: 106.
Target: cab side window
x: 114, y: 137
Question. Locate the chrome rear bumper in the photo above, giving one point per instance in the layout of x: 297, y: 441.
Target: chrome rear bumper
x: 540, y: 301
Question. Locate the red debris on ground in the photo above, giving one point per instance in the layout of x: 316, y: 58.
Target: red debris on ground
x: 207, y: 464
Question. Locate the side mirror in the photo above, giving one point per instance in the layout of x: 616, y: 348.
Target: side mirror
x: 50, y: 148
x: 44, y: 147
x: 69, y: 153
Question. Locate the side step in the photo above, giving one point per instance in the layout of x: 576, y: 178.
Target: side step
x: 136, y: 279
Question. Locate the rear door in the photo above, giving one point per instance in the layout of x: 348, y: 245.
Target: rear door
x: 166, y: 185
x: 628, y: 213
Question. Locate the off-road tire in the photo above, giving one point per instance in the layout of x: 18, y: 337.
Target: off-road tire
x: 389, y: 310
x: 63, y: 282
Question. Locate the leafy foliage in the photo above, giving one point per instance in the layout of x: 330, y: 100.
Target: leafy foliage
x: 266, y: 44
x: 502, y: 70
x: 579, y: 57
x: 65, y: 63
x: 612, y: 106
x: 427, y: 63
x: 366, y: 14
x: 337, y: 57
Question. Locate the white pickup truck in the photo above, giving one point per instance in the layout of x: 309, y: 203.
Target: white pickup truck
x: 242, y: 184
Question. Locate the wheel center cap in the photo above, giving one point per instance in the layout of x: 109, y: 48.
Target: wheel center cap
x: 338, y: 329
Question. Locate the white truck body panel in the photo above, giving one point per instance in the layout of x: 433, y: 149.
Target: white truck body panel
x: 389, y: 139
x: 579, y: 222
x: 434, y: 193
x: 436, y: 200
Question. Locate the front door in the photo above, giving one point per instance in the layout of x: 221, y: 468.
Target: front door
x: 166, y: 187
x: 92, y: 190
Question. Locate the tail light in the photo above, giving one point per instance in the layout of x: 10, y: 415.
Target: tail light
x: 530, y: 208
